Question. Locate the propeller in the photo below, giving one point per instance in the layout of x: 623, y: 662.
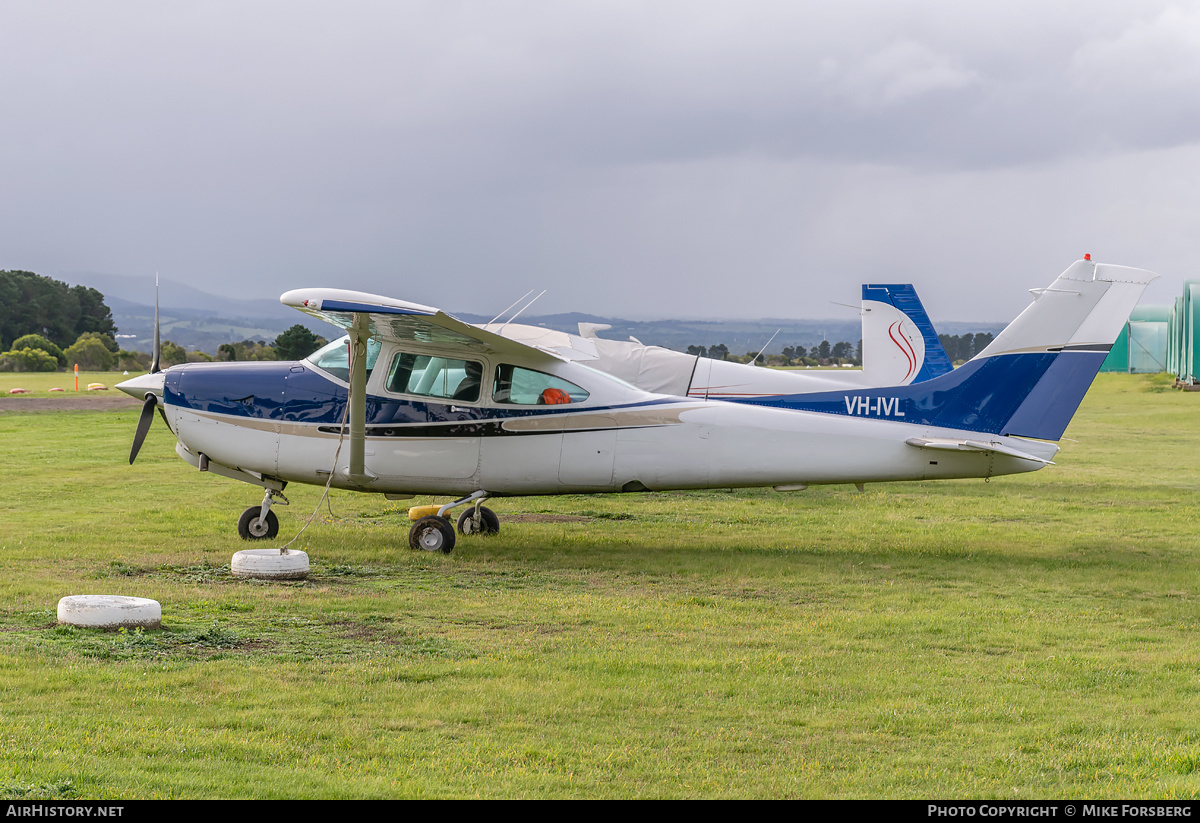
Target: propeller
x: 148, y: 407
x: 143, y: 426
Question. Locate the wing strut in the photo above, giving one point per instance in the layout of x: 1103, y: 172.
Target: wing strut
x: 359, y: 334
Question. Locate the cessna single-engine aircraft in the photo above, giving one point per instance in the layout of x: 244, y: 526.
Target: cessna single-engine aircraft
x: 427, y: 404
x: 900, y: 347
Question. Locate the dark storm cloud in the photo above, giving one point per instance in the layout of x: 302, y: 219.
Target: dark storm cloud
x: 636, y: 158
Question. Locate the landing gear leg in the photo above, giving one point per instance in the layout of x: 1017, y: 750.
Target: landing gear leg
x: 433, y: 532
x: 259, y: 522
x: 478, y: 520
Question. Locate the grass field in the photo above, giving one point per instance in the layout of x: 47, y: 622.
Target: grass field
x: 1034, y: 636
x: 39, y: 384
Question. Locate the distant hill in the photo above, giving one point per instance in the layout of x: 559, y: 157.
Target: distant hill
x: 201, y: 321
x: 190, y: 317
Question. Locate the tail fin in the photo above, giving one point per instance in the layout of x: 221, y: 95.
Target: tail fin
x: 899, y: 345
x: 1032, y: 377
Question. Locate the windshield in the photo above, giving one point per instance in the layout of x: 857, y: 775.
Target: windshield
x: 335, y: 358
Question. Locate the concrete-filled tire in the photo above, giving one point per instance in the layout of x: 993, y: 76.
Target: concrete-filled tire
x: 270, y: 564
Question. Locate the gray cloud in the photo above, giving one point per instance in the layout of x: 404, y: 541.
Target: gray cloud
x: 661, y: 158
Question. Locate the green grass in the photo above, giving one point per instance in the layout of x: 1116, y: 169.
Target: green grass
x: 38, y: 384
x: 1030, y: 637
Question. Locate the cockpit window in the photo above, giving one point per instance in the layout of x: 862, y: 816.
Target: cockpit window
x: 526, y: 387
x: 335, y: 358
x: 432, y: 376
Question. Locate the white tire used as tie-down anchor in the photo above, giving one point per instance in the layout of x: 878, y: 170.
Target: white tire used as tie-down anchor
x: 270, y: 564
x: 109, y: 611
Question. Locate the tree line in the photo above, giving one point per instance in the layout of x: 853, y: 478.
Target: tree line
x: 964, y: 347
x: 46, y: 325
x: 959, y: 348
x: 823, y: 354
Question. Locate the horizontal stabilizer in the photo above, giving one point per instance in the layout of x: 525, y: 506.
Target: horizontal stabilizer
x: 974, y: 446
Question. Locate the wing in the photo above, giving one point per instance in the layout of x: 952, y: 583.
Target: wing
x: 401, y: 321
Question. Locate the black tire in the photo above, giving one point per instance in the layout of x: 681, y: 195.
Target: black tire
x: 432, y: 534
x: 489, y: 523
x: 249, y: 528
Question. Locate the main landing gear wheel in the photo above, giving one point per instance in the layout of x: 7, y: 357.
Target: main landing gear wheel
x: 250, y: 529
x: 488, y: 522
x: 432, y: 534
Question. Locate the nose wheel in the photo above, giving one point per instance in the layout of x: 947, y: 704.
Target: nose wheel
x: 252, y: 526
x: 259, y: 522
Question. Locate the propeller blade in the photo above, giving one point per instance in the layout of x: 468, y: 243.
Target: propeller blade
x: 143, y: 426
x: 154, y: 363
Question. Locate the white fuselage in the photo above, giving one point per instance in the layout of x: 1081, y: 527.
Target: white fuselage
x: 618, y: 439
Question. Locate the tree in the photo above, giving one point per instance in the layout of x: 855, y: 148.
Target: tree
x: 36, y: 341
x: 297, y: 343
x: 89, y: 354
x: 982, y: 341
x: 95, y: 317
x: 33, y: 304
x: 699, y: 351
x: 964, y: 347
x: 171, y: 354
x: 247, y: 350
x: 105, y: 340
x: 133, y: 360
x: 27, y: 360
x: 718, y: 352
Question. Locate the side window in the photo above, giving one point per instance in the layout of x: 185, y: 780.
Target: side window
x: 526, y: 387
x: 335, y: 358
x: 431, y: 376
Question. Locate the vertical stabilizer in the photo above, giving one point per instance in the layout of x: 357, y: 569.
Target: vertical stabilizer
x: 1032, y: 377
x: 900, y: 345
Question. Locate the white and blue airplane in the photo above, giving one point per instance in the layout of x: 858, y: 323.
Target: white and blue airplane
x: 427, y: 404
x: 900, y: 347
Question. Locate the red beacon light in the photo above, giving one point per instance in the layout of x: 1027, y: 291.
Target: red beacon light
x: 1087, y: 257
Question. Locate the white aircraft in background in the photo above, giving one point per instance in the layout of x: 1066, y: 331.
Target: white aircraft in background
x: 428, y: 404
x: 899, y: 347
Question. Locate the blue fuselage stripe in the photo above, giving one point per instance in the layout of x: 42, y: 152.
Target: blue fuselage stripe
x: 1030, y: 394
x: 291, y: 393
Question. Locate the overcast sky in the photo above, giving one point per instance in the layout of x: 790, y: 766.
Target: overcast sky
x: 644, y: 159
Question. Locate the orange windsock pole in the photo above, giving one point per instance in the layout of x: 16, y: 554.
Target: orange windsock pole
x: 76, y: 377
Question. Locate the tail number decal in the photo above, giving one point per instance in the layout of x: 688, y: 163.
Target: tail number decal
x: 877, y: 406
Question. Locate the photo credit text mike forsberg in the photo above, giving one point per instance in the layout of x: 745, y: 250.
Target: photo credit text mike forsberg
x: 1061, y: 810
